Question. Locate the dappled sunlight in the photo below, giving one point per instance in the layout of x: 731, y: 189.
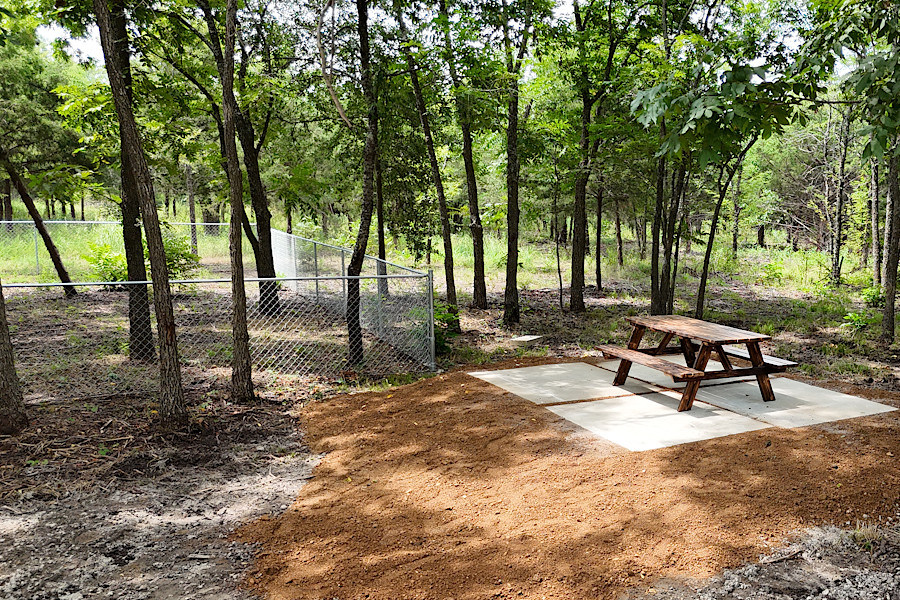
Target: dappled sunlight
x: 461, y: 490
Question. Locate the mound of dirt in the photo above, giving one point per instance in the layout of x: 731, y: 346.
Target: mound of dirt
x: 452, y: 488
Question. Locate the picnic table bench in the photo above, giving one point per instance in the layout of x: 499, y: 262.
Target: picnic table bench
x: 697, y: 341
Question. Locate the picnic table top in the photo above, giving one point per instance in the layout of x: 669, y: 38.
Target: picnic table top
x: 695, y: 329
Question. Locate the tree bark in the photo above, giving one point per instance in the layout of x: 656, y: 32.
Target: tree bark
x: 737, y: 213
x: 657, y: 296
x: 28, y: 201
x: 511, y: 296
x: 891, y: 259
x: 598, y: 265
x: 838, y: 233
x: 241, y: 367
x: 265, y: 261
x: 723, y: 191
x: 463, y: 111
x: 620, y: 254
x: 13, y: 417
x: 172, y: 410
x: 424, y: 120
x: 370, y: 155
x: 192, y: 205
x: 379, y: 216
x: 7, y: 202
x: 140, y: 332
x: 876, y: 234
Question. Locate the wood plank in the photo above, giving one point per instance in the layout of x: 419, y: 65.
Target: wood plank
x: 741, y: 372
x: 765, y: 386
x: 772, y: 361
x: 625, y: 365
x: 690, y: 390
x: 660, y: 364
x: 696, y: 329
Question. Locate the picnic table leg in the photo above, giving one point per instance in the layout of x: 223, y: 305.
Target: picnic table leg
x: 625, y: 365
x: 690, y: 390
x: 688, y: 350
x: 756, y: 358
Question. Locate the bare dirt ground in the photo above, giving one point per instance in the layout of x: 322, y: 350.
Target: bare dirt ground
x: 452, y: 488
x: 96, y: 503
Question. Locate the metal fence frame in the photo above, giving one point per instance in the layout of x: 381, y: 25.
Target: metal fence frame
x: 383, y: 315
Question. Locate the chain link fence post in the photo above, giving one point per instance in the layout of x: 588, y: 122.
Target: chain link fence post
x: 432, y: 365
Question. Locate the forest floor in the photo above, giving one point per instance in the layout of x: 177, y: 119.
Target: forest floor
x: 451, y: 488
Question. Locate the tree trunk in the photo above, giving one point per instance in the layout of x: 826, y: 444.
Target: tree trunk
x: 140, y: 332
x: 891, y: 258
x: 424, y: 120
x: 598, y: 265
x: 265, y: 261
x: 27, y: 200
x: 738, y: 206
x: 761, y: 237
x: 838, y: 232
x: 288, y: 213
x: 192, y: 205
x: 172, y: 410
x: 723, y: 191
x: 511, y: 296
x: 7, y: 202
x: 579, y: 209
x: 370, y: 155
x: 463, y: 112
x: 620, y: 251
x: 13, y: 418
x: 379, y: 215
x: 876, y: 234
x: 657, y: 300
x: 241, y: 367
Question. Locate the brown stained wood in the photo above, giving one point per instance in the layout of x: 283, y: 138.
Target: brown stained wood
x: 687, y: 349
x: 742, y: 372
x: 625, y: 366
x: 690, y: 390
x: 660, y: 364
x: 765, y: 386
x: 771, y: 361
x: 696, y: 329
x: 665, y: 341
x: 723, y: 358
x: 663, y: 351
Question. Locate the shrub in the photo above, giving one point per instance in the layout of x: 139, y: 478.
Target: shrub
x: 873, y: 297
x: 443, y: 330
x: 109, y: 265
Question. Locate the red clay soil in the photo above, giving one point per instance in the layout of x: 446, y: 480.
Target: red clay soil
x: 453, y: 488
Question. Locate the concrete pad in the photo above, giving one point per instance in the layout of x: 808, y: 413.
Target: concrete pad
x: 660, y: 379
x: 652, y: 420
x: 796, y: 403
x: 546, y: 384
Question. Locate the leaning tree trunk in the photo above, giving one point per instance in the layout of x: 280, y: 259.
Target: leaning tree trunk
x: 7, y: 203
x: 265, y: 261
x: 463, y: 111
x: 28, y: 201
x: 172, y: 411
x: 13, y: 418
x: 370, y: 154
x: 223, y: 50
x: 891, y: 259
x: 438, y: 181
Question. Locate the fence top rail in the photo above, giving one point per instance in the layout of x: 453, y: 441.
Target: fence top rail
x: 318, y: 243
x: 200, y: 281
x: 350, y: 251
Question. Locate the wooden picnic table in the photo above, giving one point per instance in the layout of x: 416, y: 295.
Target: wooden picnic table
x: 697, y: 341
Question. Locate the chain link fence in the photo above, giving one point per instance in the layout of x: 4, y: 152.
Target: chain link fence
x: 103, y: 341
